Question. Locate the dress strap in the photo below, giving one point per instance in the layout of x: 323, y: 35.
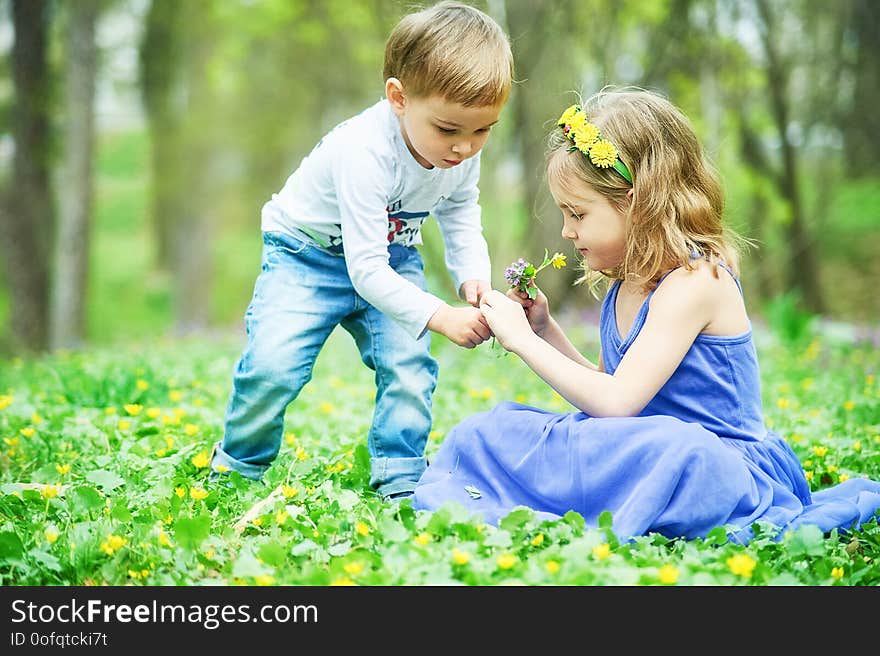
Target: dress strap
x: 732, y: 275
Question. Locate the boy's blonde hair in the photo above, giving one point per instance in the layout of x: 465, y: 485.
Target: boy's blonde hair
x: 678, y: 201
x: 453, y: 51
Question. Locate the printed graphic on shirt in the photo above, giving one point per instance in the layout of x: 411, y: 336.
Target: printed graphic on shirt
x: 403, y: 227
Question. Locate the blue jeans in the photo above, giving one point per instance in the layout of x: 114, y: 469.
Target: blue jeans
x: 302, y: 293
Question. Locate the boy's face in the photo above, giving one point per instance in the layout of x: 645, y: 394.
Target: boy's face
x: 439, y: 132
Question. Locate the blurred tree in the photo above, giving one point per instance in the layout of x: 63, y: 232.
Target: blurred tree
x: 547, y: 75
x: 192, y: 230
x: 76, y: 183
x: 162, y: 96
x: 860, y: 125
x: 802, y: 268
x: 27, y: 218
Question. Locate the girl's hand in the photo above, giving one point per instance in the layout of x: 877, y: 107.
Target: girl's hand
x: 506, y: 318
x: 537, y: 310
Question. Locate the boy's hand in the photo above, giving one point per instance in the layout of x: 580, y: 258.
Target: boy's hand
x: 463, y: 325
x: 472, y: 291
x: 537, y: 309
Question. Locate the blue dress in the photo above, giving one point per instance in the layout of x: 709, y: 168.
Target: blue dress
x: 697, y: 457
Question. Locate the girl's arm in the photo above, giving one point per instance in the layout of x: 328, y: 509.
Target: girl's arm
x: 679, y: 310
x: 556, y: 338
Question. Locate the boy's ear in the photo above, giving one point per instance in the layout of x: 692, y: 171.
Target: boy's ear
x: 395, y: 94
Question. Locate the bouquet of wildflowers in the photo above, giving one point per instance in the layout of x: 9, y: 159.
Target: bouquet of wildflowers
x: 520, y: 275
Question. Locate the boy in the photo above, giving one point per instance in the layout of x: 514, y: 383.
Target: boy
x: 339, y: 246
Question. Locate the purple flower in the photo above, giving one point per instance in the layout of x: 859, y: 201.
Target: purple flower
x: 514, y: 273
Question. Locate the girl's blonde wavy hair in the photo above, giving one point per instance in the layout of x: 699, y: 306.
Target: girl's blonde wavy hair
x: 678, y: 201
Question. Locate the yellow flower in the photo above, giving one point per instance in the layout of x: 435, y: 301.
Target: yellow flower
x: 837, y: 572
x: 362, y: 528
x: 257, y: 521
x: 506, y: 560
x: 558, y: 261
x: 849, y: 405
x: 198, y: 493
x: 27, y: 432
x: 289, y: 491
x: 342, y: 581
x: 164, y: 540
x: 12, y: 441
x: 857, y: 446
x: 175, y: 395
x: 202, y: 459
x: 222, y: 469
x: 353, y: 568
x: 290, y: 438
x: 281, y: 517
x: 460, y: 557
x: 434, y: 435
x: 603, y: 154
x: 109, y: 411
x: 180, y: 491
x: 326, y: 407
x: 422, y: 539
x: 538, y: 540
x: 820, y: 450
x: 551, y: 566
x: 133, y: 408
x: 142, y: 384
x: 567, y: 115
x: 843, y: 477
x: 300, y: 453
x: 584, y: 136
x: 152, y: 413
x: 190, y: 429
x: 112, y: 544
x: 63, y: 469
x: 5, y: 401
x: 36, y: 419
x: 264, y: 579
x: 783, y: 403
x: 602, y: 551
x: 668, y: 574
x: 742, y: 565
x: 49, y: 491
x: 51, y: 535
x: 808, y: 475
x: 124, y: 424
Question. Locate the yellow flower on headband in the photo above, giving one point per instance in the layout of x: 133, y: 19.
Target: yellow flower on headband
x: 603, y: 154
x: 567, y: 115
x: 585, y: 135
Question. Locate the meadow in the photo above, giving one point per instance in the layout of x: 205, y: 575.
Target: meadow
x: 104, y: 477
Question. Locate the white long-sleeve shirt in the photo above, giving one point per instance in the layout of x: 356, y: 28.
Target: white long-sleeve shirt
x: 360, y: 188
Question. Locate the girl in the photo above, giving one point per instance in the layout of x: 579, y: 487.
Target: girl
x: 670, y: 437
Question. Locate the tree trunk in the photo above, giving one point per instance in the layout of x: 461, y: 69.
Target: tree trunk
x: 192, y: 232
x: 802, y: 271
x: 72, y: 242
x: 160, y: 61
x: 28, y: 215
x: 862, y: 129
x: 533, y: 112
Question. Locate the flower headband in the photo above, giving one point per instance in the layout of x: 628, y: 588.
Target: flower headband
x: 585, y: 137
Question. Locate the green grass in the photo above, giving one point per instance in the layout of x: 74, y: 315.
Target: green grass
x: 128, y: 511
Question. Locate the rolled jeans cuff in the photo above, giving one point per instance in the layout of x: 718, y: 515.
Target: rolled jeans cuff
x: 222, y: 462
x: 394, y: 475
